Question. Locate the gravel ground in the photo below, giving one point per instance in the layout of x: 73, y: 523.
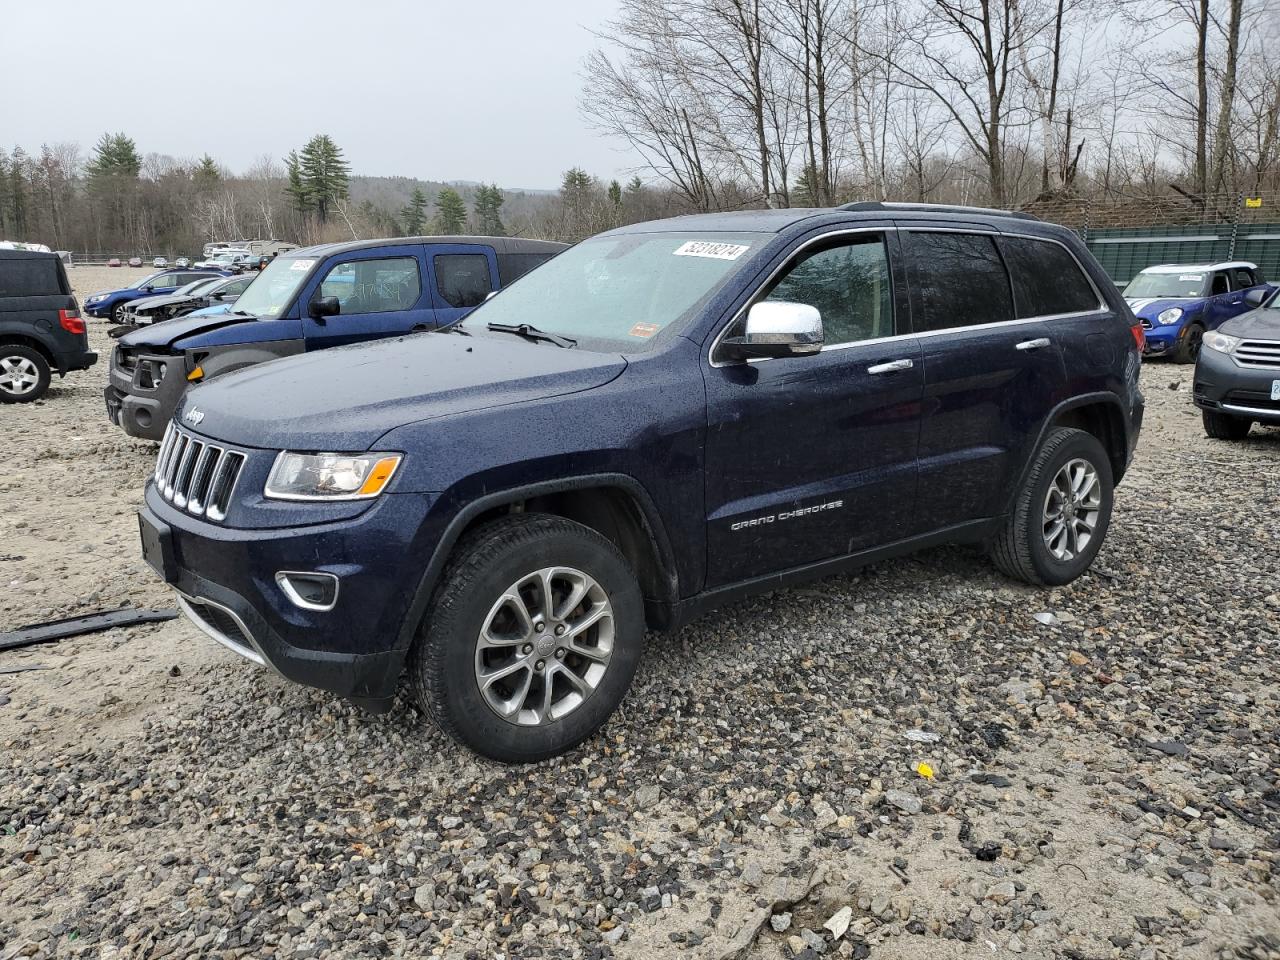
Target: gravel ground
x: 1104, y: 784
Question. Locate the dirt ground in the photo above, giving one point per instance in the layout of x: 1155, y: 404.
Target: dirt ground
x: 1103, y: 785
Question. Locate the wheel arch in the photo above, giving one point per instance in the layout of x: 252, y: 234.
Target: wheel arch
x: 35, y: 343
x: 614, y: 505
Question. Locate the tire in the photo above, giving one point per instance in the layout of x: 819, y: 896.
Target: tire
x: 117, y: 313
x: 1189, y: 343
x: 1024, y: 548
x: 1223, y: 426
x: 24, y: 373
x: 508, y: 720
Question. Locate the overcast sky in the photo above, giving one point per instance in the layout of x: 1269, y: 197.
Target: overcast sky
x: 457, y: 90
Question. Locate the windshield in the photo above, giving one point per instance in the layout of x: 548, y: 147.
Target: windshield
x: 192, y: 287
x: 271, y: 291
x: 1175, y: 285
x: 620, y: 292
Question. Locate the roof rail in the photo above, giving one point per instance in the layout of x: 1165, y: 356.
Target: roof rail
x: 891, y: 205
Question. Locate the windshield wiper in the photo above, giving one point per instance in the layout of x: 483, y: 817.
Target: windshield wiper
x: 532, y: 333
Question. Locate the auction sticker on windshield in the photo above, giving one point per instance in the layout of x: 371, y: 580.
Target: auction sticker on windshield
x: 301, y: 265
x: 709, y: 248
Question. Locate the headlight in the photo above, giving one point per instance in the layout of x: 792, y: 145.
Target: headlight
x: 1223, y: 343
x: 97, y: 298
x: 330, y: 476
x: 1172, y: 315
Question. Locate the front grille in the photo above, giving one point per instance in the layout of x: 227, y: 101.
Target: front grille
x: 1258, y: 353
x: 1146, y: 324
x: 195, y: 475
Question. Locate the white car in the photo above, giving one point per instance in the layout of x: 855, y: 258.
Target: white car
x: 160, y: 263
x: 182, y: 262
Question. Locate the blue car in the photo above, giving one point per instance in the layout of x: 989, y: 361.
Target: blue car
x: 1178, y: 304
x: 111, y: 304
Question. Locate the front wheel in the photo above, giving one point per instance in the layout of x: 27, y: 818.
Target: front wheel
x: 531, y: 640
x: 118, y: 313
x: 1189, y: 344
x: 1061, y: 514
x: 1223, y: 426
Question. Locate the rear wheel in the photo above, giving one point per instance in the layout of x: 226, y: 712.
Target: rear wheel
x: 1223, y: 426
x: 531, y: 640
x: 1061, y: 515
x: 1189, y: 343
x: 24, y: 373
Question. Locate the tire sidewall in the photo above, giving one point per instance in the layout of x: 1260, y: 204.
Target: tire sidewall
x: 43, y: 373
x: 452, y: 633
x: 1053, y: 571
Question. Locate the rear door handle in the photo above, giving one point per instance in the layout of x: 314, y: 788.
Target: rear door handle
x: 893, y: 366
x: 1035, y: 344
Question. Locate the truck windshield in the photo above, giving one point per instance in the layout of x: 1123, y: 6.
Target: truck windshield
x: 1171, y: 285
x: 619, y: 292
x: 271, y: 291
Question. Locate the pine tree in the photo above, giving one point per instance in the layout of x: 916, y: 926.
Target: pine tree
x: 325, y: 175
x: 18, y: 173
x: 414, y: 214
x: 451, y: 211
x: 615, y: 193
x: 488, y: 211
x: 115, y: 155
x: 206, y: 175
x: 296, y: 190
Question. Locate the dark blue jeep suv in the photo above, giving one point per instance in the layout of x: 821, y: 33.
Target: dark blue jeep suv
x: 665, y: 417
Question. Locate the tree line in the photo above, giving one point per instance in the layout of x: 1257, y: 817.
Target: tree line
x: 809, y: 102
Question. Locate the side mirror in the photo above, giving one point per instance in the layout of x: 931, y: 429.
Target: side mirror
x: 1257, y: 296
x: 322, y: 307
x: 777, y: 329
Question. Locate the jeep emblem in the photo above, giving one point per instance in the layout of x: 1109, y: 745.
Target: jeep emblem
x: 193, y: 416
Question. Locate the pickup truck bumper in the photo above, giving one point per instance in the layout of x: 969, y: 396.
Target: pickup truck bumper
x: 142, y: 392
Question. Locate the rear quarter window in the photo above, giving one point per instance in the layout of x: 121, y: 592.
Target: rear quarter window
x: 1047, y: 280
x: 30, y: 277
x: 513, y: 266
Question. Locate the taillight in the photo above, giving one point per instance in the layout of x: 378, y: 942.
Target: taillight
x: 1139, y: 337
x: 70, y: 321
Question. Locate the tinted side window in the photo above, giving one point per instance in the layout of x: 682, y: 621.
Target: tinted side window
x: 1046, y: 278
x: 512, y: 266
x: 1220, y: 284
x: 373, y: 286
x: 463, y: 278
x: 34, y: 277
x: 849, y: 284
x: 1243, y: 278
x: 958, y: 280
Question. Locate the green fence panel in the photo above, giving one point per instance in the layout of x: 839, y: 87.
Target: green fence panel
x: 1123, y: 252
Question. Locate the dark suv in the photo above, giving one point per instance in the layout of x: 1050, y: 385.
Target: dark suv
x: 41, y: 329
x: 663, y: 418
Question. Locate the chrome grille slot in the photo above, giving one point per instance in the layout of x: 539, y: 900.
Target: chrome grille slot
x: 1258, y: 353
x: 196, y: 476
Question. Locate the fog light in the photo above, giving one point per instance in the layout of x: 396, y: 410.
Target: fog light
x: 310, y: 591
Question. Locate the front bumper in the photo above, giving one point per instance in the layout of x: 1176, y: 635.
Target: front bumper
x: 226, y: 582
x: 1161, y: 340
x: 1225, y: 386
x: 141, y: 398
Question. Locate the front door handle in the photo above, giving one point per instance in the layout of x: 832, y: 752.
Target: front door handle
x: 1035, y: 344
x: 893, y: 366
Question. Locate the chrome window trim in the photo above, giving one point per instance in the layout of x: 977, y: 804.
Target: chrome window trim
x: 1102, y: 307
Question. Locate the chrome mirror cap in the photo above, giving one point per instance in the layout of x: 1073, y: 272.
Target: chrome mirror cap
x: 777, y: 329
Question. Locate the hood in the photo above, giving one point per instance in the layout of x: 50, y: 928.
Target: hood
x: 345, y: 398
x: 1151, y: 307
x: 1261, y: 324
x: 148, y: 303
x: 165, y: 333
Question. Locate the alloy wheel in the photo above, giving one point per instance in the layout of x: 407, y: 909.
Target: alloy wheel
x: 1072, y: 508
x: 545, y: 646
x: 18, y: 376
